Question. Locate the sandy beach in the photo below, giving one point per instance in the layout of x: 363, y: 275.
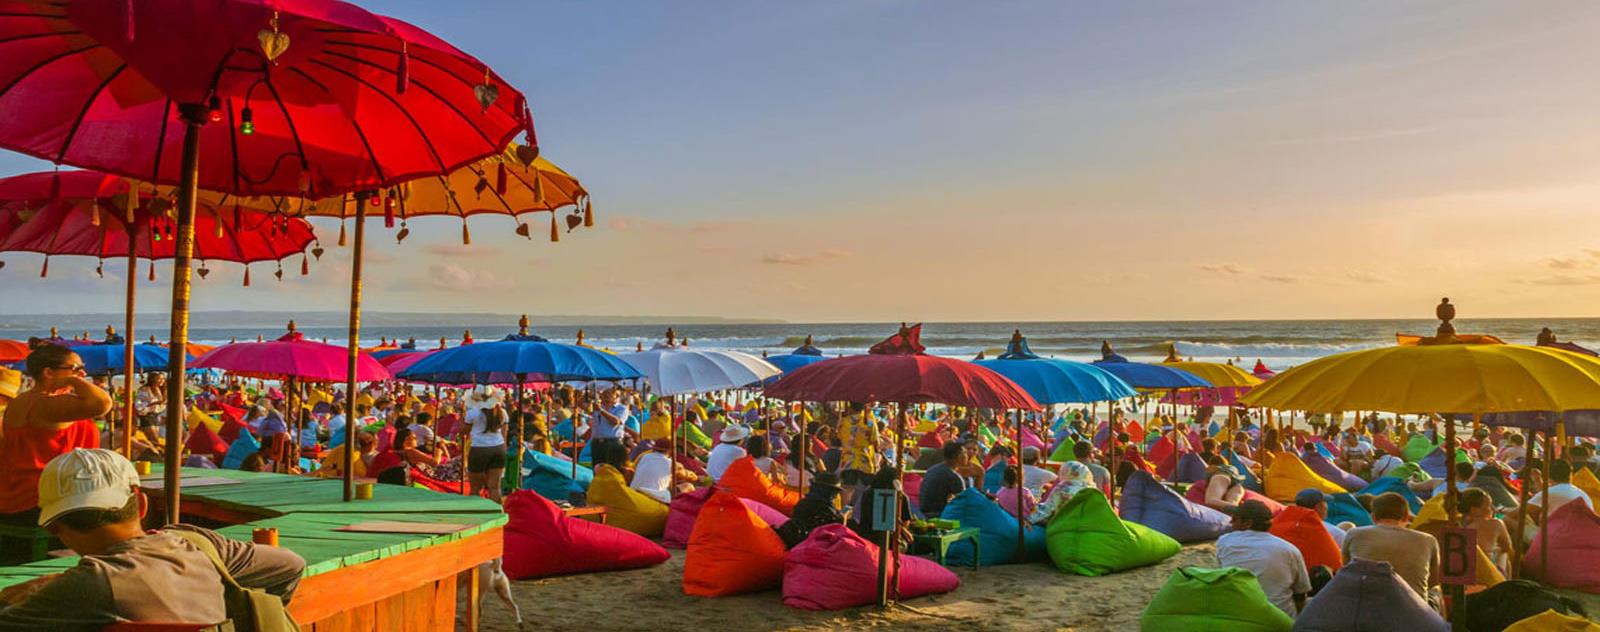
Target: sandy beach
x: 1010, y: 597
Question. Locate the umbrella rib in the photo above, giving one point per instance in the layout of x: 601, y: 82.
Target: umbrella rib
x: 418, y: 58
x: 421, y: 84
x: 294, y: 132
x: 161, y: 142
x: 439, y: 160
x: 495, y: 191
x: 42, y: 63
x: 29, y: 36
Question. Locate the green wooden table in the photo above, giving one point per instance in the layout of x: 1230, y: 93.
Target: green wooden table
x: 939, y: 542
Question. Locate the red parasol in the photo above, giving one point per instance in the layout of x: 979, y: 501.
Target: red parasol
x: 291, y: 356
x: 897, y: 371
x: 302, y: 97
x: 13, y: 350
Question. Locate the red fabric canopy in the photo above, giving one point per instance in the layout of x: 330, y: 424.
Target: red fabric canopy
x: 83, y: 213
x: 908, y: 378
x: 355, y: 101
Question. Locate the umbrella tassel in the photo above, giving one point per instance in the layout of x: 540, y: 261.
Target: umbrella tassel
x: 128, y: 20
x: 94, y: 214
x: 247, y: 276
x: 341, y: 233
x: 466, y: 235
x: 527, y: 127
x: 588, y: 212
x: 388, y: 211
x: 305, y: 265
x: 500, y: 178
x: 152, y: 269
x: 402, y: 73
x: 555, y: 235
x: 45, y: 271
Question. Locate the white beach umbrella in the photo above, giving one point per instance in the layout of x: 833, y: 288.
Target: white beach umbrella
x: 672, y: 370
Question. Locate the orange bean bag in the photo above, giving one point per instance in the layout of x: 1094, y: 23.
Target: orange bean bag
x: 627, y: 508
x: 731, y: 551
x: 1288, y: 475
x: 742, y: 479
x: 1303, y: 528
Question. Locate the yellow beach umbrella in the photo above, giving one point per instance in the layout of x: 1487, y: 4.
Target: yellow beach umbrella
x: 1443, y: 378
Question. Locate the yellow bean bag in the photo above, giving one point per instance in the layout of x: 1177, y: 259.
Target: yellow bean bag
x: 657, y: 427
x: 626, y: 508
x: 196, y: 418
x: 1288, y: 475
x: 1552, y: 621
x: 1585, y: 480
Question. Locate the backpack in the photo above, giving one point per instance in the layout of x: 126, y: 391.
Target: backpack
x: 249, y: 609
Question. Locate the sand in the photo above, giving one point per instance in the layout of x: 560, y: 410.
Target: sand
x: 1011, y: 597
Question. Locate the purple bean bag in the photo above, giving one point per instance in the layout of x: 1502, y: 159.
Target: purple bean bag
x: 1148, y: 502
x: 680, y: 517
x: 836, y: 569
x: 773, y: 517
x: 1191, y: 468
x: 1366, y: 596
x: 1326, y: 468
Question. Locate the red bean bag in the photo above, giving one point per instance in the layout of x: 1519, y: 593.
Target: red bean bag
x: 540, y: 541
x: 1303, y: 528
x: 731, y: 551
x: 231, y: 428
x: 680, y: 517
x: 742, y: 479
x: 912, y: 482
x: 836, y: 569
x: 1197, y: 494
x: 203, y: 440
x: 1575, y: 555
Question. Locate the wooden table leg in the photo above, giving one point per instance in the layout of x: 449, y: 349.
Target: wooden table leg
x: 474, y: 592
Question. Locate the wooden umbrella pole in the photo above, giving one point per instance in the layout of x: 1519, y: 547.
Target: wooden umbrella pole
x: 354, y: 346
x: 900, y: 474
x: 803, y: 445
x: 1022, y: 520
x: 522, y: 435
x: 194, y: 115
x: 127, y: 348
x: 1544, y: 505
x: 1522, y: 505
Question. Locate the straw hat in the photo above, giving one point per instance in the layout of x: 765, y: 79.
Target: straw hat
x: 734, y: 433
x: 10, y: 382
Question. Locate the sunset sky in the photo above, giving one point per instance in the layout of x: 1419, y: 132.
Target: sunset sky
x: 863, y: 160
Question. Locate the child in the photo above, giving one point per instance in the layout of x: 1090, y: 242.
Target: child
x: 1009, y: 494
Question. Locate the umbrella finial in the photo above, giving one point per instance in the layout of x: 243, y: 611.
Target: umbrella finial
x: 638, y: 346
x: 291, y: 325
x: 54, y: 333
x: 152, y: 338
x: 808, y: 340
x: 1105, y: 349
x: 522, y: 325
x: 580, y: 337
x: 111, y: 331
x: 466, y: 337
x: 1172, y: 353
x: 442, y: 342
x: 1546, y: 337
x: 672, y: 337
x: 1446, y: 313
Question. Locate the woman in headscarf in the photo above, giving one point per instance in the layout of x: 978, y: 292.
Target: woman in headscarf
x: 1071, y: 478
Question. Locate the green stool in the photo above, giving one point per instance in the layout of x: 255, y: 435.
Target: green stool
x: 37, y: 539
x: 940, y: 543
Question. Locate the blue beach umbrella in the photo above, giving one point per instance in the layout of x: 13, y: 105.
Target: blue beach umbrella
x: 1140, y: 375
x: 107, y: 359
x: 1052, y: 381
x: 528, y: 357
x: 803, y: 355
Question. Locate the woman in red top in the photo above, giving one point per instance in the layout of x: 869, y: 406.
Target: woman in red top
x: 50, y: 419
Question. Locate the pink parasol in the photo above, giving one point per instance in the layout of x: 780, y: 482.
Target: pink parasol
x: 291, y: 356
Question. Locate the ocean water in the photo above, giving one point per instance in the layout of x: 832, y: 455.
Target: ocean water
x: 1280, y: 344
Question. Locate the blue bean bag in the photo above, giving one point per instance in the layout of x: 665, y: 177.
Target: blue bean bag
x: 1434, y: 463
x: 1345, y: 508
x: 997, y: 532
x: 1326, y: 468
x: 1251, y: 482
x: 240, y: 450
x: 1148, y: 502
x: 1191, y: 468
x: 995, y: 477
x: 1367, y: 596
x: 552, y: 477
x: 1392, y: 484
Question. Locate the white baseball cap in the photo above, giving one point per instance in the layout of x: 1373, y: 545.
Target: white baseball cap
x: 85, y: 479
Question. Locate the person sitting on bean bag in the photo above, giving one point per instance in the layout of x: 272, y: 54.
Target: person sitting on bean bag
x: 1277, y: 564
x: 815, y: 510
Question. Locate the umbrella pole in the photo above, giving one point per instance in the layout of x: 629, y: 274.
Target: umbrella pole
x: 194, y: 115
x: 1522, y: 506
x: 522, y: 435
x: 803, y: 445
x: 127, y: 349
x: 1544, y: 507
x: 1022, y: 520
x: 900, y: 474
x: 1454, y: 593
x: 672, y: 443
x: 354, y: 344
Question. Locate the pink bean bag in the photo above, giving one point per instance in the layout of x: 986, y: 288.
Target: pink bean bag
x: 680, y: 517
x: 1575, y: 556
x: 540, y: 541
x: 772, y: 517
x: 836, y: 569
x: 1197, y: 494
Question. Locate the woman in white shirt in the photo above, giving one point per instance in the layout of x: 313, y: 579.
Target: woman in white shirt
x: 486, y: 460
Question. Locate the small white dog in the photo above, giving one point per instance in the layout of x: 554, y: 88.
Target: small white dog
x: 492, y: 576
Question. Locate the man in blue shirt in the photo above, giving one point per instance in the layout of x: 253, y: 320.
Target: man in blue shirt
x: 942, y: 482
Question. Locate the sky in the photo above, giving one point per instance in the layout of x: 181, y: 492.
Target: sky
x: 943, y: 160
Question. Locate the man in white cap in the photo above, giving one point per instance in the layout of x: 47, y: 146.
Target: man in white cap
x: 728, y: 450
x: 91, y: 500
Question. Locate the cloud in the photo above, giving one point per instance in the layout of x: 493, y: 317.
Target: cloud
x: 1592, y: 252
x: 791, y: 259
x: 1362, y: 276
x: 1565, y: 264
x: 453, y: 278
x: 1280, y: 278
x: 460, y: 250
x: 1224, y: 268
x: 1566, y: 280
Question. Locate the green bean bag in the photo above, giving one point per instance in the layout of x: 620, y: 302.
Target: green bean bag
x: 1087, y: 538
x: 1416, y: 447
x: 1199, y: 599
